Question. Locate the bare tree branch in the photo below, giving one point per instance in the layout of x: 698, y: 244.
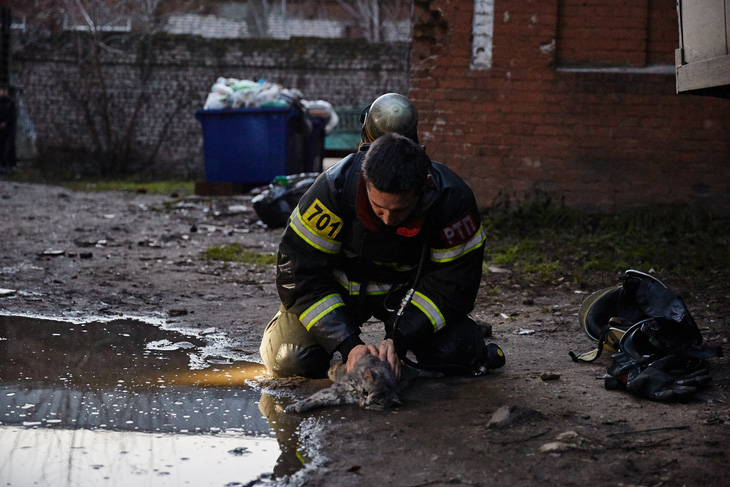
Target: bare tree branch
x: 120, y: 132
x: 372, y: 14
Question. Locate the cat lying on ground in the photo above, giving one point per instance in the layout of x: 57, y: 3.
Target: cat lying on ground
x: 371, y: 383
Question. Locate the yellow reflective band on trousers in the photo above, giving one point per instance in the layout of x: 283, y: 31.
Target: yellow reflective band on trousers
x: 315, y: 312
x: 434, y: 315
x: 353, y: 287
x: 311, y: 237
x: 453, y: 253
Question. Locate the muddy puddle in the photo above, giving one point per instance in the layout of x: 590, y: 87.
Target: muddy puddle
x: 125, y: 402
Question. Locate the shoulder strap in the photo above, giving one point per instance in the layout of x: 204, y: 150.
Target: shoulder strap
x: 348, y: 197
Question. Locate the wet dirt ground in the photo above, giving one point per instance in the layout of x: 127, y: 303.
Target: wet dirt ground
x: 75, y: 254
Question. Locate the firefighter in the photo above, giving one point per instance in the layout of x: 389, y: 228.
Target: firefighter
x: 384, y: 233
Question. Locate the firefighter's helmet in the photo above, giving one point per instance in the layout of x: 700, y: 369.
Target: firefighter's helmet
x: 391, y: 112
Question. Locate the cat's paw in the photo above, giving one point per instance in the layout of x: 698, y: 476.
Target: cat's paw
x: 292, y: 408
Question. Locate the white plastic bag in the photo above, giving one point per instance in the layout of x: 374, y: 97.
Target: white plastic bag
x: 215, y: 101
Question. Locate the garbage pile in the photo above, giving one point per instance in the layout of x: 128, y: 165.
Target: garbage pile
x: 243, y: 93
x: 274, y: 204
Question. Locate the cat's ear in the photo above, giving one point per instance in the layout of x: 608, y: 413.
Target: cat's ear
x: 369, y: 375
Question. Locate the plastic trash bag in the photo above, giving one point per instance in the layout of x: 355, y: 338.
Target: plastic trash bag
x: 222, y: 89
x: 275, y: 204
x: 324, y: 110
x: 215, y: 101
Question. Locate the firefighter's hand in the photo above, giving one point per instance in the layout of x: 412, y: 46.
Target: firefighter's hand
x: 386, y: 352
x: 359, y: 352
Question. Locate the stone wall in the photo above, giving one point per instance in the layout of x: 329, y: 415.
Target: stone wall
x: 171, y: 79
x: 579, y: 102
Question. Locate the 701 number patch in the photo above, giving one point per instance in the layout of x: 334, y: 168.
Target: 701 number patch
x: 322, y: 221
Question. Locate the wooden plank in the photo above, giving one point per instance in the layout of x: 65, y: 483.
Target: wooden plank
x: 704, y: 29
x: 704, y: 74
x: 727, y: 26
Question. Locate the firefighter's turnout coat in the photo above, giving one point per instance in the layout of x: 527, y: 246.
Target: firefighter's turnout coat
x: 335, y: 250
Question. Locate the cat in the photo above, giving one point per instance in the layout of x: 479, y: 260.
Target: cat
x: 371, y: 383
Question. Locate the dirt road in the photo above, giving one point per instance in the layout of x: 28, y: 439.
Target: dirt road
x: 66, y: 253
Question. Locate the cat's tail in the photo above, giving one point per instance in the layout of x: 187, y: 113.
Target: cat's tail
x: 321, y: 399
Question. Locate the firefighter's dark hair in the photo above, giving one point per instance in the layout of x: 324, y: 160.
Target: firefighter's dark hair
x: 396, y: 164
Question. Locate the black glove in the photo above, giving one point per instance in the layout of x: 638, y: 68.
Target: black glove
x: 669, y: 378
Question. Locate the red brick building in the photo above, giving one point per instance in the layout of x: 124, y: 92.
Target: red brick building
x: 575, y: 98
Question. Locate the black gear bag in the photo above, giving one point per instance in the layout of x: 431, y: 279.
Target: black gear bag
x: 657, y: 347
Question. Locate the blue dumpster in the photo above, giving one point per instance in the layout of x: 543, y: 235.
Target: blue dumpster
x: 254, y: 145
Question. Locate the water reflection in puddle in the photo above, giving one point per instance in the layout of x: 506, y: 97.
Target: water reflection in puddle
x: 119, y: 402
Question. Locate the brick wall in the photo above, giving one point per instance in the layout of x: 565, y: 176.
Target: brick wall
x: 579, y: 102
x: 183, y: 68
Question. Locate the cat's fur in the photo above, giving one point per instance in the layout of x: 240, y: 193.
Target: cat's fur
x: 371, y: 383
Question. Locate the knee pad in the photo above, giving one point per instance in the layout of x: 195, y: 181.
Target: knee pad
x: 291, y: 360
